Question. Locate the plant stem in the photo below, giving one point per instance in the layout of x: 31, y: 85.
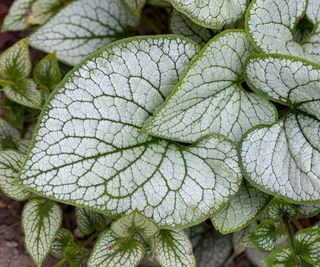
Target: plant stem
x: 297, y: 224
x: 4, y: 83
x: 59, y: 263
x: 290, y: 232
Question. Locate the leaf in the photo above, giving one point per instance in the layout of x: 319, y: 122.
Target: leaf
x: 25, y: 93
x: 274, y: 31
x: 108, y: 251
x: 13, y: 113
x: 47, y: 71
x: 40, y: 220
x: 210, y: 248
x: 74, y: 32
x: 277, y: 209
x: 15, y: 62
x: 307, y: 243
x: 281, y: 257
x: 89, y: 151
x: 43, y: 10
x: 10, y: 162
x: 211, y: 13
x: 242, y: 210
x: 74, y: 255
x: 283, y: 159
x: 128, y: 224
x: 287, y: 80
x: 308, y: 210
x: 8, y: 135
x: 136, y: 5
x: 182, y: 25
x: 89, y: 221
x: 16, y: 20
x: 63, y: 238
x: 172, y: 248
x: 209, y: 98
x: 264, y: 236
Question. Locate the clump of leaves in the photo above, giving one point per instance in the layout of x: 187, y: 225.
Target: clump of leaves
x: 176, y: 150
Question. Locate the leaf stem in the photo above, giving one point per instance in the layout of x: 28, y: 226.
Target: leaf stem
x: 4, y: 83
x: 59, y: 263
x: 290, y: 232
x: 297, y: 224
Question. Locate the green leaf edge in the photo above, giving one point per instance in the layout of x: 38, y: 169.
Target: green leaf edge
x: 183, y: 76
x: 59, y: 86
x: 25, y: 242
x: 270, y: 256
x: 264, y: 222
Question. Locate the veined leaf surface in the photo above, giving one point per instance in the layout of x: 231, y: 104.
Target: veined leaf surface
x: 89, y: 149
x: 281, y: 257
x: 83, y: 27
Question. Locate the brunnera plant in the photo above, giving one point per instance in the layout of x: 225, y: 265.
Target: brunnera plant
x: 180, y: 149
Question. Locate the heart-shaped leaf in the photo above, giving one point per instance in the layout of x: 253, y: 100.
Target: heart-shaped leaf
x: 281, y: 257
x: 75, y: 32
x: 280, y: 26
x: 264, y: 236
x: 173, y: 248
x: 63, y: 239
x: 110, y: 251
x: 242, y: 209
x: 40, y: 220
x: 307, y: 243
x: 277, y: 209
x: 209, y: 98
x: 89, y: 149
x: 211, y: 13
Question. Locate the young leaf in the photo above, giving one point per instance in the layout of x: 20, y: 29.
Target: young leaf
x: 74, y: 255
x: 63, y: 238
x: 173, y: 248
x: 307, y: 243
x: 264, y: 236
x: 274, y: 31
x: 43, y: 10
x: 211, y: 13
x: 136, y: 5
x: 182, y: 25
x: 10, y: 162
x: 15, y: 62
x: 242, y: 209
x: 281, y: 257
x: 277, y: 209
x: 89, y: 149
x: 89, y: 221
x: 74, y: 32
x: 210, y: 248
x: 287, y: 80
x: 25, y: 93
x: 16, y: 20
x: 13, y: 113
x: 127, y: 225
x: 47, y: 72
x: 41, y: 221
x: 209, y: 98
x: 110, y: 251
x: 8, y: 135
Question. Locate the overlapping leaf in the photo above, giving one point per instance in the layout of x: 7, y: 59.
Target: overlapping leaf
x: 282, y: 257
x: 89, y: 149
x: 264, y: 236
x: 273, y: 26
x: 82, y: 27
x: 307, y: 243
x: 211, y: 13
x: 283, y: 159
x: 210, y: 99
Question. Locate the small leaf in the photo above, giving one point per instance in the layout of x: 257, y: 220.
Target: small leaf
x: 10, y: 162
x: 74, y: 255
x: 8, y: 135
x: 281, y: 257
x: 63, y: 239
x: 210, y: 99
x: 210, y: 248
x: 308, y: 210
x: 307, y: 243
x: 15, y: 62
x: 75, y: 33
x: 16, y: 20
x: 110, y: 251
x: 127, y: 225
x: 182, y: 25
x: 13, y: 113
x: 47, y: 71
x: 264, y: 236
x: 25, y: 93
x: 173, y: 248
x: 242, y: 210
x: 136, y: 5
x: 89, y: 221
x: 43, y: 10
x: 211, y: 13
x: 274, y: 31
x: 277, y: 209
x: 41, y: 221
